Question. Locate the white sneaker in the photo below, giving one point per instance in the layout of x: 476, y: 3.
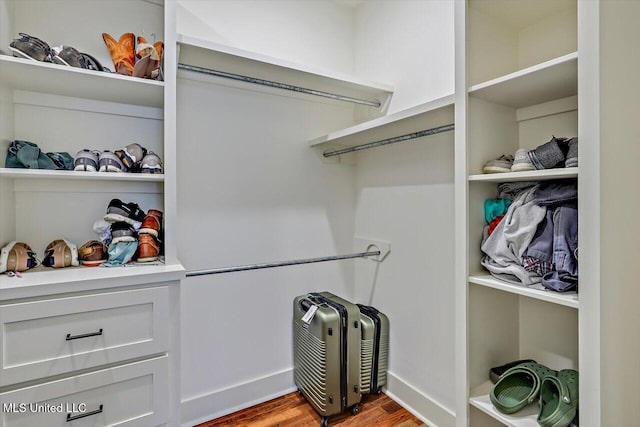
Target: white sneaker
x: 521, y: 161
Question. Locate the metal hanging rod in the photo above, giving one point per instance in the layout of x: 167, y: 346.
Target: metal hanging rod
x: 279, y: 264
x: 393, y: 140
x: 277, y: 85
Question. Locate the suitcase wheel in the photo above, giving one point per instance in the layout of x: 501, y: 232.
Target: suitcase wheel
x: 324, y: 422
x: 354, y: 409
x: 379, y: 390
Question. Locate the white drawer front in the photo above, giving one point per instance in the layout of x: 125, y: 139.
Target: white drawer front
x: 135, y: 394
x: 45, y: 338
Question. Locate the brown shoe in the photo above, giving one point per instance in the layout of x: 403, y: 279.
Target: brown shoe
x: 148, y: 248
x: 93, y: 253
x: 152, y: 223
x: 123, y: 52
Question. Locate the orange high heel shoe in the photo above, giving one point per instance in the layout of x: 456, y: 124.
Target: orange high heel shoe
x: 122, y: 52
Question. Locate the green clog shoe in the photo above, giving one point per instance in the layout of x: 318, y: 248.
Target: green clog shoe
x: 518, y: 387
x: 558, y: 399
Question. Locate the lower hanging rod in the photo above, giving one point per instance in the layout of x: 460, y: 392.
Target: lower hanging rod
x: 277, y: 85
x: 393, y: 140
x: 279, y: 264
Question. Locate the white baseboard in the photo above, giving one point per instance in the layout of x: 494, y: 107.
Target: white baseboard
x: 419, y: 404
x: 222, y: 402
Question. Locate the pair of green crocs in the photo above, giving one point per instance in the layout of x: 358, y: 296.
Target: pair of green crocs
x: 557, y: 393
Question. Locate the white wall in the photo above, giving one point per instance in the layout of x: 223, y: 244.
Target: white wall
x: 405, y: 196
x: 619, y: 229
x: 251, y: 190
x: 406, y: 42
x: 315, y: 33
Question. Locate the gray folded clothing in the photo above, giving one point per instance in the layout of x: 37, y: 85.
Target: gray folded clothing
x: 510, y: 190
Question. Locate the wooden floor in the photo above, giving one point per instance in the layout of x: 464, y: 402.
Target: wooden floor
x: 293, y: 410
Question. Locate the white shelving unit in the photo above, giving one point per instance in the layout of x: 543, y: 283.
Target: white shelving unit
x: 537, y: 175
x: 56, y: 79
x: 518, y: 97
x: 227, y: 59
x: 79, y: 175
x: 569, y: 299
x: 432, y: 114
x: 550, y: 80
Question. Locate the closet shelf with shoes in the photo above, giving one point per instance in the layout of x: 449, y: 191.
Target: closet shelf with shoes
x: 548, y: 81
x: 567, y: 299
x: 432, y: 115
x: 206, y: 60
x: 79, y: 175
x: 57, y: 79
x: 524, y: 418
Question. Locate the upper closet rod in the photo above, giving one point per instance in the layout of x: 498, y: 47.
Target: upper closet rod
x: 279, y: 264
x: 395, y: 139
x: 277, y: 85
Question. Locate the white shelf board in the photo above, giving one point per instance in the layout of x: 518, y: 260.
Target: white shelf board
x: 526, y: 417
x: 567, y: 299
x: 537, y: 175
x: 431, y: 114
x: 78, y: 175
x: 56, y: 79
x: 48, y: 281
x: 554, y: 79
x: 219, y: 57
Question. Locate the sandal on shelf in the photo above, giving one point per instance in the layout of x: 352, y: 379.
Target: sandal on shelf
x: 29, y: 47
x: 518, y: 387
x: 122, y: 52
x: 558, y: 399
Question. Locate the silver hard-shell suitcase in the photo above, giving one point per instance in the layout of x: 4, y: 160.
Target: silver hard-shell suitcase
x: 374, y: 359
x: 326, y: 351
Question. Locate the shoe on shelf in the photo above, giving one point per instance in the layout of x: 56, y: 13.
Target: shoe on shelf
x: 93, y: 253
x: 29, y: 47
x: 69, y: 56
x: 86, y: 160
x: 152, y: 223
x: 572, y: 154
x: 109, y: 162
x: 518, y: 387
x: 122, y: 52
x: 151, y: 163
x: 496, y: 372
x: 499, y: 165
x: 17, y: 256
x: 558, y: 399
x: 130, y: 213
x: 122, y: 232
x: 131, y: 155
x: 148, y: 248
x: 148, y: 59
x: 61, y: 253
x: 548, y: 155
x: 521, y: 162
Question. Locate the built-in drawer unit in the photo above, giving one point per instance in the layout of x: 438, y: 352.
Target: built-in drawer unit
x: 51, y: 337
x: 134, y: 394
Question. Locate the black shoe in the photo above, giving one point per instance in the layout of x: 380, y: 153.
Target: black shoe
x: 122, y: 232
x: 124, y: 212
x: 496, y: 373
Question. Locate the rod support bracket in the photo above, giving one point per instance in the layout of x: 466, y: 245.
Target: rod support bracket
x: 366, y: 245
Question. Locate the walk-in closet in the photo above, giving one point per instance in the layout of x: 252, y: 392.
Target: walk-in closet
x: 308, y: 146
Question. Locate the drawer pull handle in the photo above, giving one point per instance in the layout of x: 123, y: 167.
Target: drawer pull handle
x: 91, y: 334
x: 86, y: 414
